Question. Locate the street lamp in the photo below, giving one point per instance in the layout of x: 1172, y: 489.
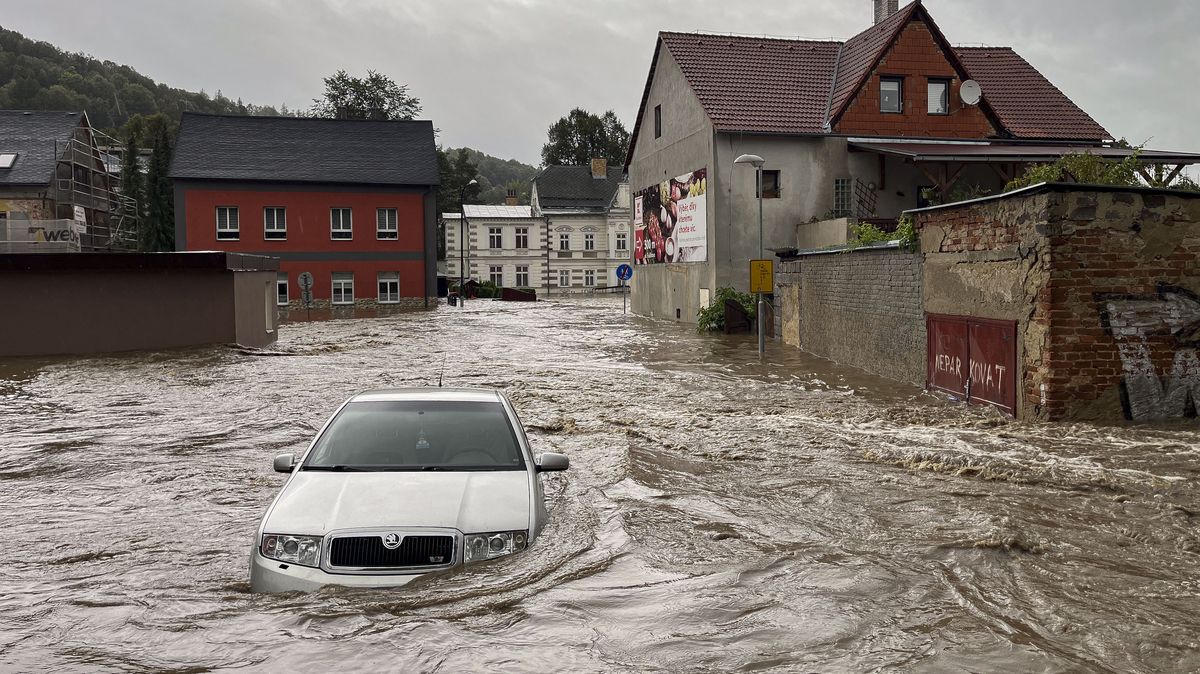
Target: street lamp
x: 462, y: 243
x: 758, y: 162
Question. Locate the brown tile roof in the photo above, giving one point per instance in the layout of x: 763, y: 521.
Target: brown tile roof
x: 757, y: 84
x: 767, y: 85
x: 1026, y: 103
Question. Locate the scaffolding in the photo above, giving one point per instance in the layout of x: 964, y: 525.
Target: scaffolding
x: 86, y: 189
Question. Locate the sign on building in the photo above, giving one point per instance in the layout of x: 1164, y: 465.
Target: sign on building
x: 670, y: 220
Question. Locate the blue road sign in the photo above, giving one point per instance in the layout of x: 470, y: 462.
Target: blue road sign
x: 624, y: 272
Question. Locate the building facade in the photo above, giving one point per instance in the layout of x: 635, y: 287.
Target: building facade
x: 586, y: 214
x: 570, y: 240
x: 351, y: 202
x: 892, y: 119
x: 504, y: 245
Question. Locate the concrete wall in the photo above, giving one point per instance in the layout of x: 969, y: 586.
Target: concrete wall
x: 80, y: 303
x: 673, y: 290
x: 859, y: 308
x: 1104, y: 285
x: 822, y: 234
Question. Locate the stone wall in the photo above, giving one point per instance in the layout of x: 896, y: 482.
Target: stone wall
x: 860, y: 308
x: 1103, y: 284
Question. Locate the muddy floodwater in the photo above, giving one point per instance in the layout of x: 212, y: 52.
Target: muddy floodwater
x: 720, y: 514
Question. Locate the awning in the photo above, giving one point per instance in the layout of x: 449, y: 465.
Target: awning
x: 972, y: 153
x: 944, y: 162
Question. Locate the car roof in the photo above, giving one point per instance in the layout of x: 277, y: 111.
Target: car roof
x: 429, y: 393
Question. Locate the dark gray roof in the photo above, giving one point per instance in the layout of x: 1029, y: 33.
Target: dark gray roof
x: 574, y: 188
x: 305, y: 150
x: 34, y: 136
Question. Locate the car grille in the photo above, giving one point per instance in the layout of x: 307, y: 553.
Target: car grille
x: 368, y: 552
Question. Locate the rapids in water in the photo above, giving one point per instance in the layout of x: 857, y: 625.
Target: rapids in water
x: 720, y: 513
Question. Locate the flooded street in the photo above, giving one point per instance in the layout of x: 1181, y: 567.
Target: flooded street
x: 719, y: 515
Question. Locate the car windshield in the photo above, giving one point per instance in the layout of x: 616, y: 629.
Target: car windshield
x: 418, y: 435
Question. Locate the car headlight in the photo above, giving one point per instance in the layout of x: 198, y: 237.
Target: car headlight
x: 479, y: 547
x: 302, y: 550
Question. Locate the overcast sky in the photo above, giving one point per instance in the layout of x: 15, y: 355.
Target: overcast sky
x: 495, y: 74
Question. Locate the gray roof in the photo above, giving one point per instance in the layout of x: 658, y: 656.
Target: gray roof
x: 34, y: 136
x: 305, y: 150
x: 574, y: 188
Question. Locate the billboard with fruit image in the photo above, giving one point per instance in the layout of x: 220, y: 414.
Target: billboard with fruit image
x: 670, y: 220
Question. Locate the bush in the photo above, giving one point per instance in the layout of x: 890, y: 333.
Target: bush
x: 487, y: 289
x: 865, y: 234
x: 1081, y: 168
x: 712, y: 317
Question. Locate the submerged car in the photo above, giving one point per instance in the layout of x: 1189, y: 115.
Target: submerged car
x: 402, y: 483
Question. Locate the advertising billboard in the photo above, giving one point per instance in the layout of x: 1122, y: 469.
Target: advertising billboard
x: 670, y: 220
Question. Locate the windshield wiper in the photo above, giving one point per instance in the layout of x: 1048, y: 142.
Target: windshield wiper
x: 337, y: 468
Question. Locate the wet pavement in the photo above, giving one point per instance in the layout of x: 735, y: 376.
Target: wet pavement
x: 720, y: 514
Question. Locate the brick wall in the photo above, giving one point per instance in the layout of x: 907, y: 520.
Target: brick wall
x: 916, y: 57
x: 1104, y: 285
x: 859, y: 308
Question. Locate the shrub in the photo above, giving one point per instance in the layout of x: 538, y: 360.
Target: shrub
x: 865, y: 234
x: 712, y: 317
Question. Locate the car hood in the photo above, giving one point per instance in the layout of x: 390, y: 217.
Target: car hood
x: 318, y: 502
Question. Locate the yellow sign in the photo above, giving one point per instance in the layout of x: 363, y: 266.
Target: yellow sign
x: 762, y: 276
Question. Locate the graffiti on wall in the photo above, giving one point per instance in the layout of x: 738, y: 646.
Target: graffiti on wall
x: 1169, y: 318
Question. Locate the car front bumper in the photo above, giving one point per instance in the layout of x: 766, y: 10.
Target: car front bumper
x: 269, y: 575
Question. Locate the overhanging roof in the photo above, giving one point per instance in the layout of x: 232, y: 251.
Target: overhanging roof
x: 1002, y: 152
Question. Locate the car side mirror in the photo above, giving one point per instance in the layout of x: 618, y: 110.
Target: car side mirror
x: 284, y: 463
x: 549, y: 461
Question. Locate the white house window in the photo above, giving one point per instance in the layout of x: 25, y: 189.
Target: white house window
x: 564, y: 242
x: 227, y: 223
x: 891, y: 94
x: 495, y: 238
x: 340, y: 226
x: 522, y: 239
x: 564, y: 278
x: 281, y: 289
x: 274, y: 223
x: 939, y: 97
x: 589, y: 277
x: 841, y: 197
x: 389, y: 287
x: 343, y: 287
x: 523, y: 276
x: 622, y: 241
x: 385, y: 224
x: 589, y: 241
x: 496, y: 275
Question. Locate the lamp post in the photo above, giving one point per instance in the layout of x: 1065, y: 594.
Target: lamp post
x: 757, y: 162
x: 462, y: 243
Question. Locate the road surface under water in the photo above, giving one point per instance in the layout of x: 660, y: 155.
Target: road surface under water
x: 720, y: 514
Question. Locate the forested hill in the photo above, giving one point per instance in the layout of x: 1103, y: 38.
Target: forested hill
x: 39, y: 76
x: 499, y: 175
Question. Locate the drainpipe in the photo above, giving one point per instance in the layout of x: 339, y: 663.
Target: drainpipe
x: 547, y: 218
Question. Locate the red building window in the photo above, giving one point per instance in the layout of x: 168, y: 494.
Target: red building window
x: 385, y: 224
x: 274, y: 223
x: 340, y: 224
x: 227, y: 223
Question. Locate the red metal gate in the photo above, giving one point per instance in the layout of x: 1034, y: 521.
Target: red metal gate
x: 974, y: 358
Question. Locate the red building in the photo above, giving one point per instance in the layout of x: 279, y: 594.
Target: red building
x: 353, y: 202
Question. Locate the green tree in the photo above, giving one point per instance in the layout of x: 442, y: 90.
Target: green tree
x: 456, y: 172
x: 375, y: 97
x: 581, y: 136
x: 158, y: 231
x: 131, y: 174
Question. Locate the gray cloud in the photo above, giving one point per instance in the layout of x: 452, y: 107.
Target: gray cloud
x: 494, y: 75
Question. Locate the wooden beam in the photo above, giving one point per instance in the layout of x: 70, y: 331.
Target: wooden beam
x: 1173, y: 174
x: 1145, y: 174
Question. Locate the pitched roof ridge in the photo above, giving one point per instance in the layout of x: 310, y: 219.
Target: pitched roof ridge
x: 748, y: 36
x: 226, y: 115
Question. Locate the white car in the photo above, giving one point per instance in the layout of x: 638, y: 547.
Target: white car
x: 401, y: 483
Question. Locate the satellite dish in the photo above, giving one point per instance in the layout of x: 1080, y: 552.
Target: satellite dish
x: 970, y: 92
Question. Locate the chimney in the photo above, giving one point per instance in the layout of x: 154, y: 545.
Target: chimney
x: 599, y: 169
x: 510, y: 198
x: 885, y: 8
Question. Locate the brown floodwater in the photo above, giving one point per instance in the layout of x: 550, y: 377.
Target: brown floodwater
x: 720, y: 513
